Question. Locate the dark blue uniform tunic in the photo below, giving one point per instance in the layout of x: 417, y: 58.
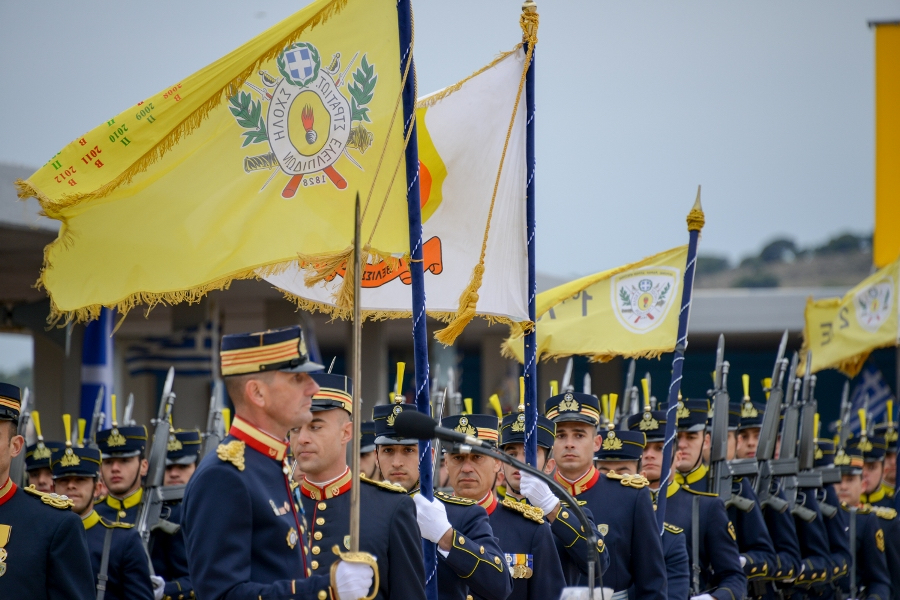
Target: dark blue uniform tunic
x: 816, y: 566
x: 678, y: 565
x: 121, y: 510
x: 44, y: 549
x: 128, y: 569
x: 883, y: 501
x: 872, y: 578
x: 170, y: 555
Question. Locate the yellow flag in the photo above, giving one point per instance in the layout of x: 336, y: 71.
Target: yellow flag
x: 629, y: 311
x: 841, y: 332
x: 253, y: 161
x: 886, y: 241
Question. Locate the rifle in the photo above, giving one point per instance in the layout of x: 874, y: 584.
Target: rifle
x: 215, y: 427
x: 567, y: 377
x: 96, y: 417
x: 627, y: 392
x: 455, y: 396
x: 127, y: 420
x: 768, y: 435
x: 17, y: 466
x: 155, y: 495
x: 808, y: 477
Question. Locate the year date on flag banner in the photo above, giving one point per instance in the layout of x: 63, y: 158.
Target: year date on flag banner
x: 462, y: 130
x: 248, y: 163
x: 842, y: 332
x: 629, y: 311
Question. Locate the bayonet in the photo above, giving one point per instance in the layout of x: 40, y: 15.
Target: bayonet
x: 127, y: 421
x: 97, y: 418
x: 586, y: 387
x: 17, y: 466
x: 567, y: 377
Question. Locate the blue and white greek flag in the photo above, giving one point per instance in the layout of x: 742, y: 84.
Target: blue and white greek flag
x: 300, y: 63
x: 189, y: 351
x: 870, y: 386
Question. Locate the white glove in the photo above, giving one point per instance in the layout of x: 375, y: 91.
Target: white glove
x: 432, y: 518
x: 353, y: 580
x: 743, y: 560
x: 159, y: 586
x: 702, y: 597
x: 538, y: 493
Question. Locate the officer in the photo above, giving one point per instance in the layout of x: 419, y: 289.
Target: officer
x: 118, y: 560
x: 43, y: 550
x: 37, y: 458
x: 243, y: 537
x: 623, y: 512
x: 719, y: 567
x: 169, y: 555
x: 871, y: 579
x: 619, y: 457
x: 444, y: 520
x: 571, y: 544
x: 782, y: 527
x: 368, y: 465
x: 391, y: 533
x: 525, y: 536
x: 754, y: 543
x: 834, y: 520
x: 122, y: 468
x: 715, y: 561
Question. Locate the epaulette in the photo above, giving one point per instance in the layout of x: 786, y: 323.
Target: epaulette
x: 54, y: 500
x: 445, y: 497
x: 112, y: 525
x: 673, y: 528
x: 526, y: 510
x: 385, y: 485
x: 883, y: 512
x: 688, y: 489
x: 862, y: 510
x: 232, y: 452
x: 635, y: 481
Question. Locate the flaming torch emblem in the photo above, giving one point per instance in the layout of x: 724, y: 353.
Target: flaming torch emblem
x: 308, y: 118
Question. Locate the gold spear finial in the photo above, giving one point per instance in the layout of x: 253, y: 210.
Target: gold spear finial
x: 696, y: 219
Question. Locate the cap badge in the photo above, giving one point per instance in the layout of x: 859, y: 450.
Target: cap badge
x: 683, y: 411
x: 842, y: 458
x: 648, y: 422
x: 174, y: 444
x: 69, y: 459
x: 115, y: 439
x: 612, y: 442
x: 41, y: 452
x: 569, y: 403
x: 519, y: 425
x: 394, y: 412
x: 464, y: 427
x: 819, y: 454
x: 748, y: 411
x: 864, y: 444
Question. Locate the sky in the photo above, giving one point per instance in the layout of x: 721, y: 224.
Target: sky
x: 767, y: 104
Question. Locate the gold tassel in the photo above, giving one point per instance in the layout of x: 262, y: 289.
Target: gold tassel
x: 467, y: 304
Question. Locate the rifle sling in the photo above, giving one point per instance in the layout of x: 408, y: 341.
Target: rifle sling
x: 103, y: 576
x: 695, y: 543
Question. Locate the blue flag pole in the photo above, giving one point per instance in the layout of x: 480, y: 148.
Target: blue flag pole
x: 417, y: 275
x: 97, y: 367
x: 695, y: 221
x: 529, y: 28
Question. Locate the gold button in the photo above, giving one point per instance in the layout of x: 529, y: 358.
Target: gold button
x: 497, y: 559
x: 320, y: 521
x: 322, y: 595
x: 461, y: 540
x: 321, y: 506
x: 316, y: 549
x: 317, y: 535
x: 753, y: 570
x: 302, y: 530
x: 481, y: 549
x: 565, y: 515
x: 314, y: 564
x: 122, y: 514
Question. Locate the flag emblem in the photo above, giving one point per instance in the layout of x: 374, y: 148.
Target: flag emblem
x: 643, y: 298
x: 873, y: 304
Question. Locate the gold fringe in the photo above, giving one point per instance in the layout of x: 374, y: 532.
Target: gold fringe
x: 189, y: 124
x: 436, y: 97
x: 506, y: 351
x: 468, y: 301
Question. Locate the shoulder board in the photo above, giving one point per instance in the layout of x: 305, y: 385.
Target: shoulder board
x: 532, y: 513
x: 111, y: 525
x: 862, y: 510
x: 385, y: 485
x: 673, y: 528
x: 445, y: 497
x: 580, y: 503
x: 635, y: 481
x: 883, y: 512
x: 232, y: 452
x: 697, y: 493
x: 54, y: 500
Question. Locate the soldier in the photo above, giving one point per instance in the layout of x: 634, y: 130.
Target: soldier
x: 870, y: 578
x: 835, y: 522
x: 368, y: 465
x: 169, y: 555
x: 43, y: 550
x: 888, y: 430
x: 243, y: 536
x: 37, y: 458
x: 718, y: 568
x: 619, y: 457
x: 624, y: 513
x: 118, y: 561
x: 123, y: 466
x: 444, y: 520
x: 571, y: 545
x: 392, y: 535
x: 524, y: 535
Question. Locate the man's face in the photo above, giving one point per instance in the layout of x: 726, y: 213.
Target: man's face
x: 367, y: 464
x: 651, y: 461
x: 689, y: 449
x: 10, y: 445
x: 399, y: 464
x: 574, y: 448
x: 622, y: 467
x: 123, y: 475
x: 732, y: 445
x: 472, y: 475
x: 288, y: 399
x: 849, y: 490
x: 320, y: 444
x: 890, y: 468
x: 872, y: 472
x: 41, y: 479
x: 510, y: 473
x: 80, y: 491
x: 748, y: 440
x: 179, y: 474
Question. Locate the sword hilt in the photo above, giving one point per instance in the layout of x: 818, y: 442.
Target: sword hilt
x: 363, y: 558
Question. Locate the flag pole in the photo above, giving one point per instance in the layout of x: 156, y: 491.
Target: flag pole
x: 417, y: 275
x: 695, y: 222
x: 529, y: 31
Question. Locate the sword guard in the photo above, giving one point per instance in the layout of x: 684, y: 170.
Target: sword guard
x: 363, y: 558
